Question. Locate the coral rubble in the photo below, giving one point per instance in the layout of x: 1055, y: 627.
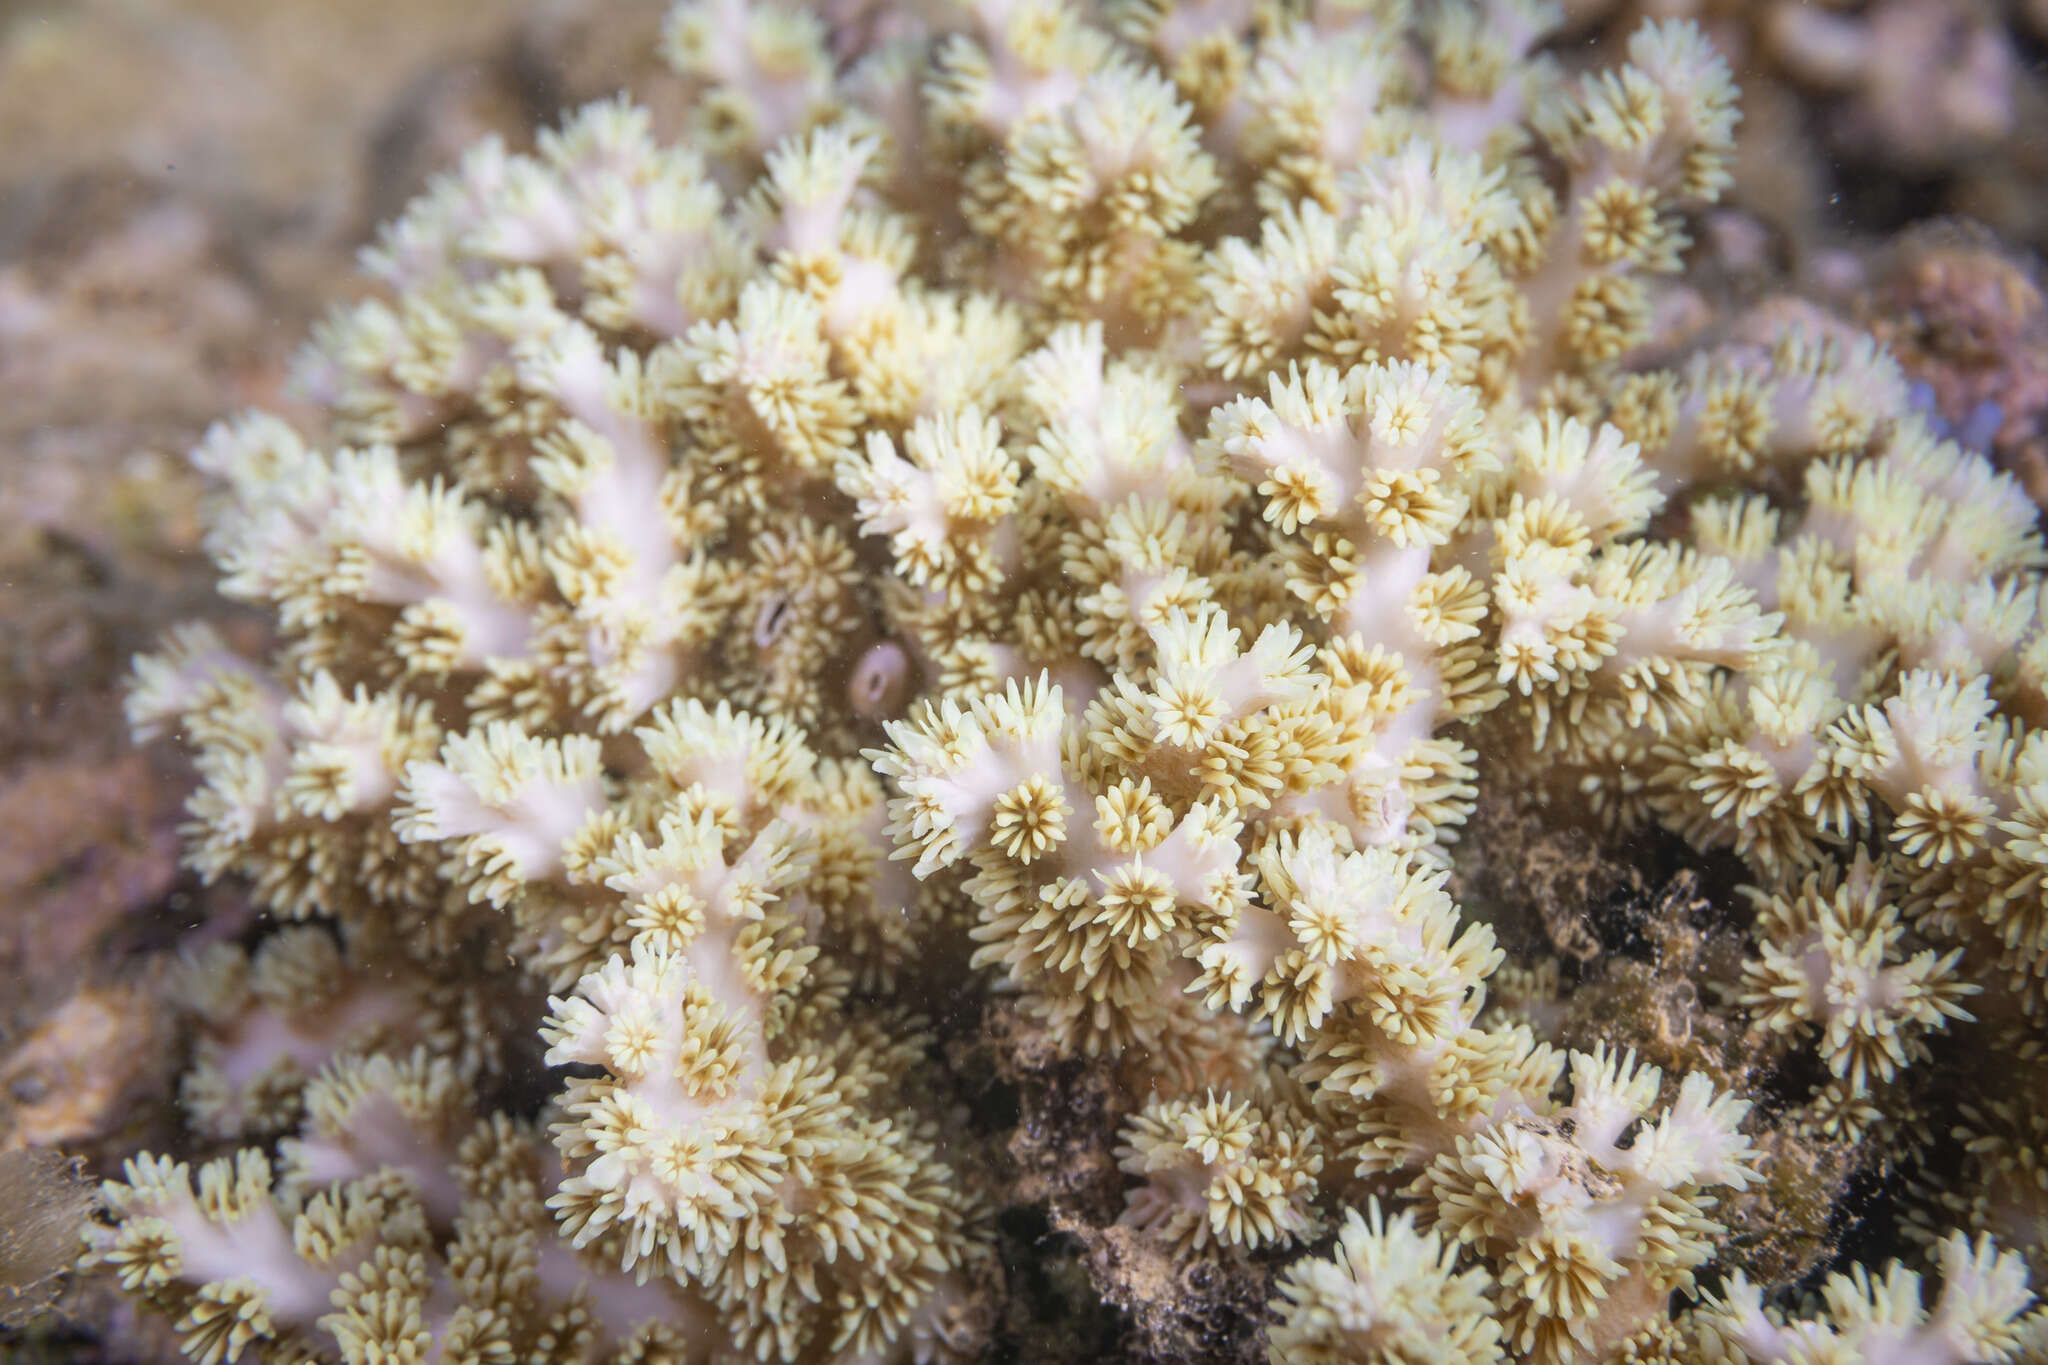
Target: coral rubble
x: 1026, y: 529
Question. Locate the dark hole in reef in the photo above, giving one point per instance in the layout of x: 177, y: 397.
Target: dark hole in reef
x: 998, y: 1108
x: 1053, y: 1311
x: 1702, y: 888
x: 1865, y: 1228
x: 1797, y: 1078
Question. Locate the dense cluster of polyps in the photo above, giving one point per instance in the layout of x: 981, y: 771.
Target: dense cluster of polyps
x: 1095, y: 489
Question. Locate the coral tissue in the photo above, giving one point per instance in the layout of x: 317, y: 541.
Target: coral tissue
x: 1071, y: 504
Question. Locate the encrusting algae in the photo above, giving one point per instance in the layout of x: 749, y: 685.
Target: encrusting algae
x: 1074, y: 502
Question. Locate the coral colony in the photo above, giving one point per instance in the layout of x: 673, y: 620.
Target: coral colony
x: 1064, y: 508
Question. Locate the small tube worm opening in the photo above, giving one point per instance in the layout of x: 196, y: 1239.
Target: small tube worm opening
x: 881, y: 681
x: 771, y: 620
